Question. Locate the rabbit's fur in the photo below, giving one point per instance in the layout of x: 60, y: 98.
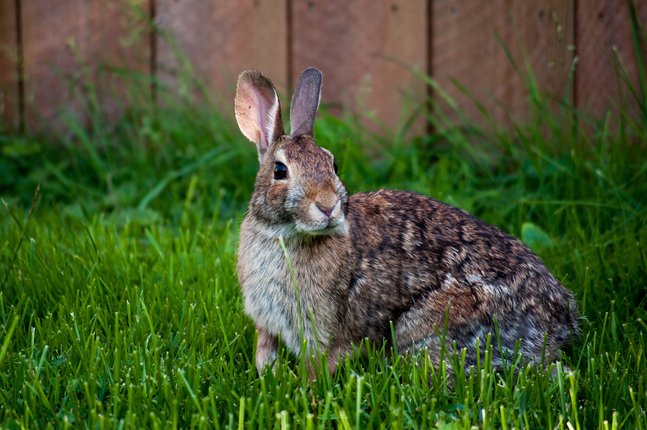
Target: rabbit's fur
x: 354, y: 266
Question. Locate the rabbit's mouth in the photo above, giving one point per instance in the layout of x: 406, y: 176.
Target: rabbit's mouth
x: 334, y: 227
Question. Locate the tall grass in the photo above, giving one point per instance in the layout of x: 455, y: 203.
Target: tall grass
x: 119, y: 305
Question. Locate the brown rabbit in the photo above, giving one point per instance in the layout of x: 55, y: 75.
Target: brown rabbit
x: 357, y: 265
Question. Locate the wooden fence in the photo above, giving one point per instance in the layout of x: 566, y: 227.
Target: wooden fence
x: 367, y: 50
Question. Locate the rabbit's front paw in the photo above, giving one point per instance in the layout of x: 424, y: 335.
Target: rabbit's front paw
x: 266, y: 350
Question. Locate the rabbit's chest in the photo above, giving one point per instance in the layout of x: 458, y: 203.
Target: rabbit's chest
x: 289, y: 304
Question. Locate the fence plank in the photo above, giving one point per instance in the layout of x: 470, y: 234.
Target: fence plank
x: 468, y: 40
x: 465, y: 49
x: 9, y: 55
x: 364, y: 49
x: 602, y: 27
x: 220, y: 38
x: 545, y: 33
x: 70, y: 43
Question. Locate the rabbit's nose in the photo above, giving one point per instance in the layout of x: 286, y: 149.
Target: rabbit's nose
x: 326, y: 210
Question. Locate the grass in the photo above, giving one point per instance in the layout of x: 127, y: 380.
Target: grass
x: 119, y: 305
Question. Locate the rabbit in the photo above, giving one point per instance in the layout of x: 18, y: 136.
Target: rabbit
x: 323, y: 270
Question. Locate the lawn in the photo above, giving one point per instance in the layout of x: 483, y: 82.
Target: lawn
x: 119, y: 304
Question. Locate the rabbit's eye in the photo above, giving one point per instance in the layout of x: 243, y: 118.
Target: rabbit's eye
x: 280, y: 170
x: 334, y: 166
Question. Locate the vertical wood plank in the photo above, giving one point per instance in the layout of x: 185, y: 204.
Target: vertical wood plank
x: 364, y: 49
x: 542, y: 38
x: 468, y: 47
x: 602, y: 27
x: 465, y: 49
x: 68, y: 43
x: 221, y: 38
x: 9, y: 56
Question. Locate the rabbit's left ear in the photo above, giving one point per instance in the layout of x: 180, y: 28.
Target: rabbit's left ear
x: 257, y: 110
x: 305, y: 103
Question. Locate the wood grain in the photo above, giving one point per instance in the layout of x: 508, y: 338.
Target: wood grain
x: 9, y: 57
x: 220, y: 39
x: 604, y: 39
x: 68, y: 44
x: 468, y: 47
x: 366, y: 50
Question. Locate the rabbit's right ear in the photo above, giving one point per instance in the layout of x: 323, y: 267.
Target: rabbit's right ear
x: 257, y: 110
x: 305, y: 102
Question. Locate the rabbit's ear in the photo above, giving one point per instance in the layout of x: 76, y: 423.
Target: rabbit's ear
x: 257, y: 110
x: 305, y: 103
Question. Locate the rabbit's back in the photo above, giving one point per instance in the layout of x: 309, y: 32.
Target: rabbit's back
x: 428, y: 267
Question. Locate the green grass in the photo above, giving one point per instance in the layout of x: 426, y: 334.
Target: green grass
x: 119, y: 305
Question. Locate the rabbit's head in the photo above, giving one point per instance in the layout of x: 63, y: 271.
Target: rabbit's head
x: 297, y: 189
